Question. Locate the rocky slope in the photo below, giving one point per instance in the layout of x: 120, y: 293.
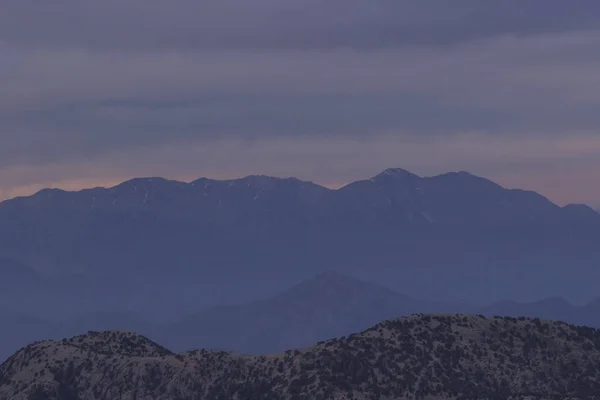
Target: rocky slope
x: 417, y: 357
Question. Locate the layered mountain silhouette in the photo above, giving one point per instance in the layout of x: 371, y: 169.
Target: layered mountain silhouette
x: 422, y: 356
x: 165, y: 249
x: 451, y: 197
x: 325, y: 306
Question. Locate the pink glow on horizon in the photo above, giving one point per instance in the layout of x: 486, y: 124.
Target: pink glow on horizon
x: 563, y: 169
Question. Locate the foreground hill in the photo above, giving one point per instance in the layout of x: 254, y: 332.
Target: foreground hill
x: 434, y: 357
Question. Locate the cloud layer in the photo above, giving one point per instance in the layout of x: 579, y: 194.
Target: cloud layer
x: 283, y: 24
x: 325, y: 91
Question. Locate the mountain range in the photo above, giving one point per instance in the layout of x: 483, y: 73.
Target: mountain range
x: 164, y: 249
x: 419, y: 357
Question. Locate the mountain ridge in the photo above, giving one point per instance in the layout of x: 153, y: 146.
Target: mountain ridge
x: 394, y: 173
x: 453, y: 197
x: 169, y: 245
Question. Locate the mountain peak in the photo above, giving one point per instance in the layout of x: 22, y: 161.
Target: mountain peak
x: 118, y: 342
x: 331, y: 283
x: 49, y: 192
x: 258, y: 181
x: 463, y: 177
x: 148, y: 182
x: 395, y: 173
x: 581, y: 210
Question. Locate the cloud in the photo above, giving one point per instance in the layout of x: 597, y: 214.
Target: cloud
x: 61, y: 105
x: 84, y: 81
x: 283, y: 24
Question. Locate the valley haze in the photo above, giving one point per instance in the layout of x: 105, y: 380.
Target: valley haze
x: 156, y: 251
x: 454, y: 236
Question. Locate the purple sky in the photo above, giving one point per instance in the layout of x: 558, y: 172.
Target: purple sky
x: 95, y: 92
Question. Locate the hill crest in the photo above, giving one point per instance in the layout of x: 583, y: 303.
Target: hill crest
x: 421, y: 356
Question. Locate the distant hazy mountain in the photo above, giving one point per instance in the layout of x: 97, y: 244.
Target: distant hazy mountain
x: 419, y: 357
x: 164, y: 249
x: 325, y: 306
x: 56, y: 296
x: 320, y: 308
x: 581, y: 210
x: 452, y: 198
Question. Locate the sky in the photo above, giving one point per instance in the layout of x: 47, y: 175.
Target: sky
x: 96, y: 92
